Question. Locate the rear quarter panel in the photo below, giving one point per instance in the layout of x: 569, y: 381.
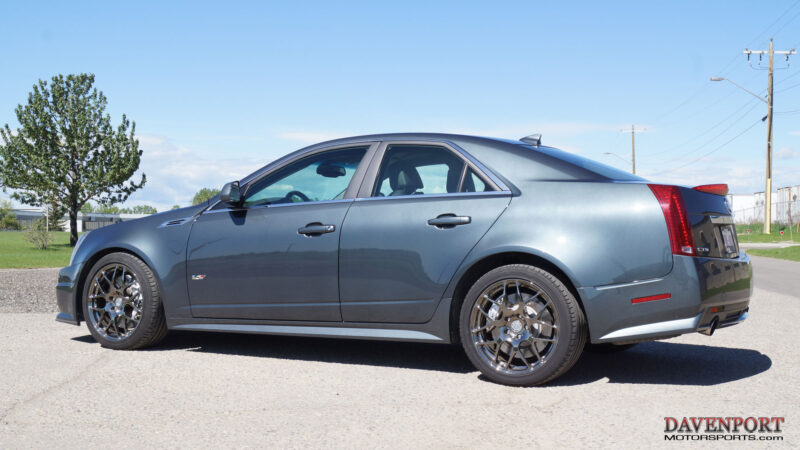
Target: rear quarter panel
x: 598, y: 233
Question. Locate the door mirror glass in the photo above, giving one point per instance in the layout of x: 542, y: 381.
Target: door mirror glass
x: 230, y: 194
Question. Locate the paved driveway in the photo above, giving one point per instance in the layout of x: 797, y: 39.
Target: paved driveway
x: 59, y: 388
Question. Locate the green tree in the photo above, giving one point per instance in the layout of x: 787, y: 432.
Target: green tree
x: 8, y: 221
x: 203, y: 195
x: 175, y: 207
x: 139, y: 209
x: 67, y: 152
x: 107, y: 209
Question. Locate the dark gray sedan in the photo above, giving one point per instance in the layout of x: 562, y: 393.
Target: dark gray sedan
x: 522, y: 253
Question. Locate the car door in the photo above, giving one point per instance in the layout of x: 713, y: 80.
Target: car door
x: 276, y: 256
x: 421, y: 209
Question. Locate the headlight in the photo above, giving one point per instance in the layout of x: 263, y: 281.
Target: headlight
x: 77, y: 245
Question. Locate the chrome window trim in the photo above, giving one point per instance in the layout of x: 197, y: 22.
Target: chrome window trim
x: 278, y: 205
x: 448, y: 195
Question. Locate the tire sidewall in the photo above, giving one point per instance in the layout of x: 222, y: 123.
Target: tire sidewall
x: 565, y: 327
x: 136, y: 266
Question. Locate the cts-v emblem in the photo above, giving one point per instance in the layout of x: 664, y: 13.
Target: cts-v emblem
x: 198, y: 277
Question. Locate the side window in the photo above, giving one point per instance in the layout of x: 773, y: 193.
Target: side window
x: 418, y: 170
x: 474, y: 183
x: 324, y: 176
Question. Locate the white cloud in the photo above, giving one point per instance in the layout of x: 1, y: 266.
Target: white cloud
x: 796, y: 133
x: 787, y: 153
x: 175, y: 173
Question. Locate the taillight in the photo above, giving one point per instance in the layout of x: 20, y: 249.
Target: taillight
x: 680, y: 231
x: 717, y: 189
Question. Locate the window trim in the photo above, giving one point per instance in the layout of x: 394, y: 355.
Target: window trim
x: 371, y: 176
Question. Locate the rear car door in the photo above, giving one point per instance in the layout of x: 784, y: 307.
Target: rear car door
x: 276, y: 257
x: 422, y: 207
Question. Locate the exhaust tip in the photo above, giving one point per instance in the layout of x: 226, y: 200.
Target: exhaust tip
x: 709, y: 330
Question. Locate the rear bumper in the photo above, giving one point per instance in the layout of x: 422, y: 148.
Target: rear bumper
x: 704, y: 294
x: 66, y: 292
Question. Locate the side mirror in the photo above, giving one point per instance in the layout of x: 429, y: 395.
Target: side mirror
x: 230, y: 194
x: 330, y: 170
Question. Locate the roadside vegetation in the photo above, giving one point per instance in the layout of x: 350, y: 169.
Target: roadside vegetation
x: 17, y: 253
x: 757, y: 235
x: 790, y: 253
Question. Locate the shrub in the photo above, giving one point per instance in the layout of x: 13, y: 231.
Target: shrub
x: 38, y: 235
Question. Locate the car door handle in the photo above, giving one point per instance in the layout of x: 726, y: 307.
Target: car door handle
x: 449, y: 221
x: 316, y: 228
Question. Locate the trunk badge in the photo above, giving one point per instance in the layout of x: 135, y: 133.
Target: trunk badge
x: 198, y: 277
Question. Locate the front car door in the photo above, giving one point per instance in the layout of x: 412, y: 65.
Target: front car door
x: 276, y: 256
x: 422, y: 207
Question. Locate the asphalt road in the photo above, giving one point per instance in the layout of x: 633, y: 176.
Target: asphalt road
x: 59, y: 388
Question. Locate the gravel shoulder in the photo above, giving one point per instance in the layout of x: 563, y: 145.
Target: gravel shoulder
x: 28, y: 290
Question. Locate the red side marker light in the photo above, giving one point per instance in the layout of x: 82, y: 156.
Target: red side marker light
x: 651, y: 298
x: 717, y: 189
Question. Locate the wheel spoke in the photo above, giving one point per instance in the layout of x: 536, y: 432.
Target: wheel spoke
x: 488, y: 326
x: 544, y: 324
x: 510, y: 357
x: 488, y: 317
x: 494, y: 302
x: 522, y: 356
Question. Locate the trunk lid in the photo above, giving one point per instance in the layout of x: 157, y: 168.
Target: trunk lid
x: 712, y: 223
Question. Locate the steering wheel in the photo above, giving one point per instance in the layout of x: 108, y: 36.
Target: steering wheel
x: 290, y: 194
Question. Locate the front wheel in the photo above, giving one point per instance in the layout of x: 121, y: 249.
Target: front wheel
x: 521, y: 326
x: 122, y: 303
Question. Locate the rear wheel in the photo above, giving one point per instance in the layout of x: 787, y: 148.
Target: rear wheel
x: 122, y: 303
x: 519, y: 325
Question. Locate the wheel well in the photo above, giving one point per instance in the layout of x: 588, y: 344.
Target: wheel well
x: 87, y: 266
x: 483, y: 266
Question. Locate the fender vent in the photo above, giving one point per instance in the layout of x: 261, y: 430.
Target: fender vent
x: 174, y: 222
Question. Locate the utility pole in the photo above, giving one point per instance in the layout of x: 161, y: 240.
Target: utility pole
x: 768, y: 185
x: 633, y: 146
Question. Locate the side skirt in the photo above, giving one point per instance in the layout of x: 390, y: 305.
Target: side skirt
x: 437, y: 330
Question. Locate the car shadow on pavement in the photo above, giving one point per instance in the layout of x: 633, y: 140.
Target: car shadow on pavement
x: 659, y: 362
x: 410, y: 355
x: 664, y: 362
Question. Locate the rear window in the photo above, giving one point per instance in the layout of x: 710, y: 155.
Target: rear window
x: 588, y: 164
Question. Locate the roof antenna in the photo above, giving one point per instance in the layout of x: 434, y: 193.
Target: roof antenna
x: 534, y: 139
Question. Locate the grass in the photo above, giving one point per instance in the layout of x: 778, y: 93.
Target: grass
x: 17, y: 253
x: 790, y: 253
x: 757, y: 233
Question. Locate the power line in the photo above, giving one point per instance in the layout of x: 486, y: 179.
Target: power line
x: 787, y: 88
x: 730, y: 63
x: 712, y: 151
x: 690, y: 140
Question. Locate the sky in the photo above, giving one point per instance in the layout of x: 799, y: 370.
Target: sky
x: 218, y: 90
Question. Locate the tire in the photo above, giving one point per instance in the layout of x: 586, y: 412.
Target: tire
x: 609, y: 348
x: 122, y: 303
x: 540, y: 329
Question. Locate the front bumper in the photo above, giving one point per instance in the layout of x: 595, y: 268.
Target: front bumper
x: 66, y: 294
x: 705, y: 294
